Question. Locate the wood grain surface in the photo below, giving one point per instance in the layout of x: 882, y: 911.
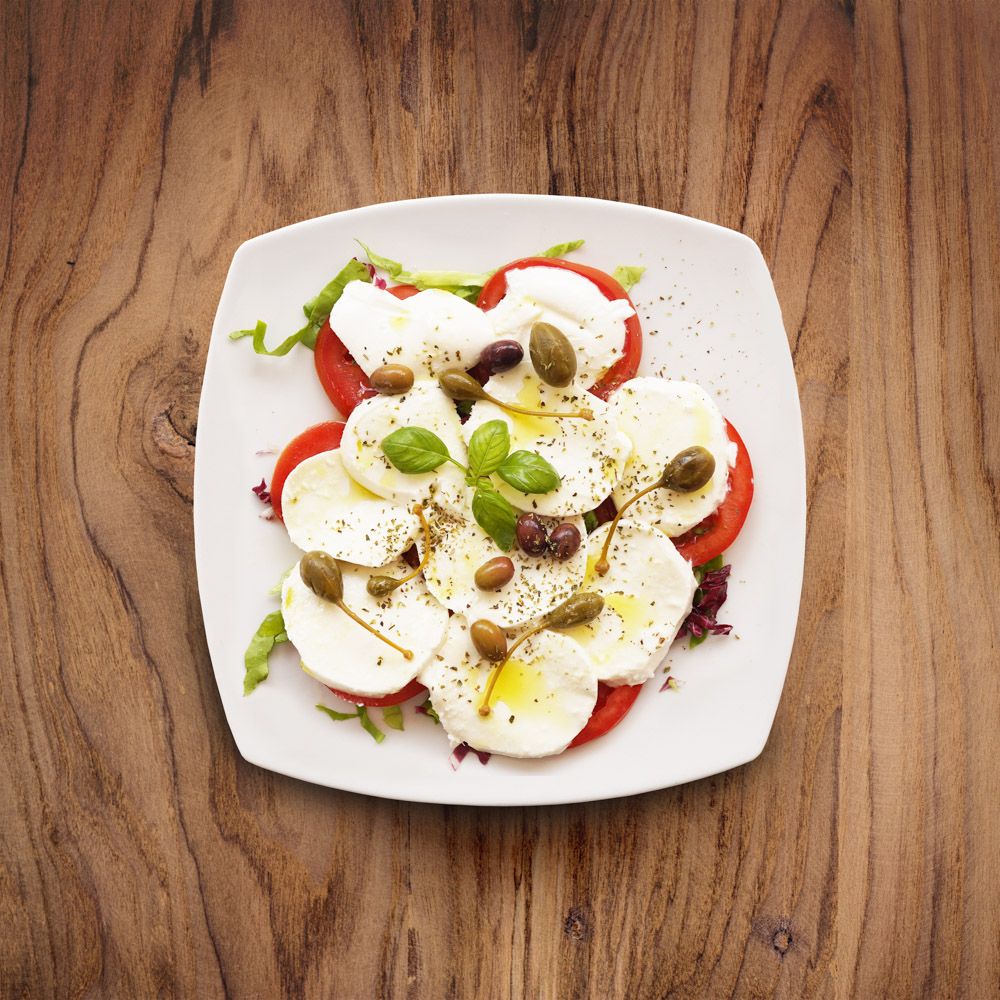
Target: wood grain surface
x: 857, y: 142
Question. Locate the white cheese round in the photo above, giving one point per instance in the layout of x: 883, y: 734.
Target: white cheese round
x: 663, y: 418
x: 589, y: 455
x: 429, y: 332
x: 647, y: 594
x: 540, y: 583
x: 573, y: 304
x: 543, y: 698
x: 323, y: 508
x: 340, y: 653
x: 426, y: 406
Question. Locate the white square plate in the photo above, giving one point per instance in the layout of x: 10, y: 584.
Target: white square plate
x: 709, y: 314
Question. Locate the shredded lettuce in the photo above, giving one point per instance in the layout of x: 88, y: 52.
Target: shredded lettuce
x: 316, y: 310
x: 561, y: 249
x: 270, y: 633
x: 627, y: 275
x: 361, y: 715
x: 465, y: 284
x: 392, y: 716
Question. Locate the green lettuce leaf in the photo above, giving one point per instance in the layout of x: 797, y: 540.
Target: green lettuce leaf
x: 561, y: 249
x: 270, y: 633
x: 317, y: 309
x: 362, y: 716
x: 392, y: 716
x: 628, y: 276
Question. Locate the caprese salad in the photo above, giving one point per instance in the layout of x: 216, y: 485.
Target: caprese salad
x: 510, y: 525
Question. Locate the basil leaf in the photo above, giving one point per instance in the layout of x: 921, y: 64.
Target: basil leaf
x: 590, y: 522
x: 337, y: 716
x: 494, y: 515
x: 317, y: 310
x: 488, y: 447
x: 628, y: 276
x: 528, y: 472
x: 368, y: 726
x: 392, y: 715
x: 561, y: 249
x: 415, y: 450
x: 270, y: 633
x: 392, y: 267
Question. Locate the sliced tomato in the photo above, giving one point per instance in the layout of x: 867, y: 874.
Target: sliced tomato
x: 313, y: 440
x: 403, y: 694
x: 340, y: 375
x: 626, y: 366
x: 613, y: 704
x: 719, y: 530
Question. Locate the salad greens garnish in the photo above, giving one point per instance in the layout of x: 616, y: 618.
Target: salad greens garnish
x: 465, y: 284
x: 628, y: 276
x: 363, y: 717
x: 316, y: 310
x: 427, y: 708
x: 713, y: 586
x: 392, y: 715
x: 590, y: 522
x: 414, y: 450
x: 270, y: 633
x: 561, y: 249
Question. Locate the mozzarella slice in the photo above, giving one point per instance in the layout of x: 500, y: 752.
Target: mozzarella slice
x: 647, y: 595
x: 589, y: 455
x: 594, y: 325
x: 323, y: 508
x: 542, y: 699
x: 663, y: 418
x: 340, y: 653
x: 428, y: 332
x: 425, y: 405
x: 540, y: 583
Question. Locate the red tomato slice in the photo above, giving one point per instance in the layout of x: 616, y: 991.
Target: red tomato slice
x: 626, y: 366
x: 312, y: 441
x: 340, y: 375
x: 613, y: 704
x: 403, y: 694
x: 718, y: 531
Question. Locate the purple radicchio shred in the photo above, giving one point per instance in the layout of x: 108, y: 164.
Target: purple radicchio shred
x: 262, y: 492
x: 379, y: 282
x: 708, y: 600
x: 671, y: 683
x: 462, y: 750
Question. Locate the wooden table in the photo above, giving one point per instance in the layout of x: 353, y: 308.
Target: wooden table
x: 859, y: 856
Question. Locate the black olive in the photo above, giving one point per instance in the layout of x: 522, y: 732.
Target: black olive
x: 531, y: 534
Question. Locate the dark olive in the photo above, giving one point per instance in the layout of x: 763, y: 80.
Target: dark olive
x: 489, y: 640
x: 460, y: 386
x: 564, y: 541
x: 381, y: 586
x: 580, y: 609
x: 552, y: 355
x: 501, y: 356
x: 320, y: 572
x: 531, y: 534
x: 392, y: 380
x: 495, y: 573
x: 689, y: 470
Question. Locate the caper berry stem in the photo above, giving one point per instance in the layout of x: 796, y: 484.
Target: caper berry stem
x: 322, y: 574
x: 584, y: 413
x: 484, y: 706
x: 386, y: 584
x: 602, y: 566
x: 407, y: 653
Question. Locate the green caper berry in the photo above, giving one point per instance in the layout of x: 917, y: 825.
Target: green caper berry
x: 689, y: 470
x: 580, y: 609
x: 552, y: 355
x: 321, y: 573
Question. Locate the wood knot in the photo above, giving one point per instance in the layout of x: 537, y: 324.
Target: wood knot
x: 175, y: 430
x: 781, y: 939
x: 576, y: 924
